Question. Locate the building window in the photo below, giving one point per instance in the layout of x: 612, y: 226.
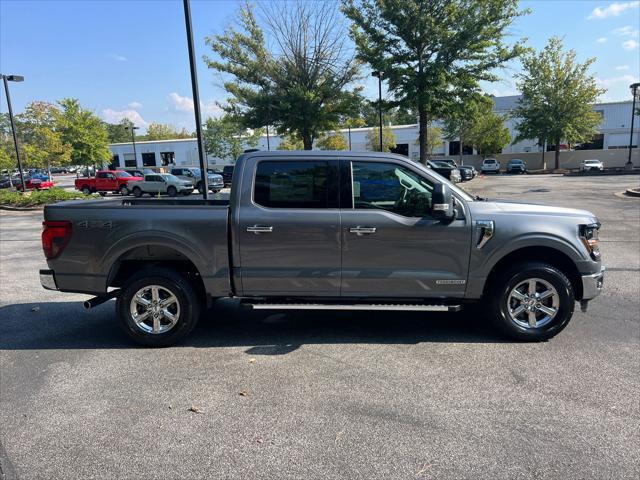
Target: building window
x: 401, y: 149
x: 167, y: 158
x: 293, y: 185
x: 129, y: 160
x: 454, y: 148
x: 596, y: 143
x: 149, y: 159
x: 115, y: 160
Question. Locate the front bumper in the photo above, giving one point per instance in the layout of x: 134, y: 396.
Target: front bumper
x: 592, y: 284
x: 48, y: 280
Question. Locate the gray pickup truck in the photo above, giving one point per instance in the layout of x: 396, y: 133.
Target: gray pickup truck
x: 325, y: 230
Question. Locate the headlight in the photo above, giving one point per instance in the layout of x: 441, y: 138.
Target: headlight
x: 589, y: 237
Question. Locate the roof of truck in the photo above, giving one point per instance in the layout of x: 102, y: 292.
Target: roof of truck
x: 315, y: 154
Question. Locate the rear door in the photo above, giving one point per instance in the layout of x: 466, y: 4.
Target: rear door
x: 288, y: 227
x: 391, y: 246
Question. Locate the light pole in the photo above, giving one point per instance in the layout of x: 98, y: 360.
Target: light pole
x: 196, y: 100
x: 6, y: 79
x: 378, y: 74
x: 634, y: 90
x: 133, y: 128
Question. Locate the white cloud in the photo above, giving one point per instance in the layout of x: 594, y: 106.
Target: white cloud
x: 602, y: 40
x: 622, y: 67
x: 135, y: 105
x: 610, y: 82
x: 117, y: 57
x: 179, y: 103
x: 612, y: 10
x: 114, y: 116
x: 630, y: 44
x: 627, y: 31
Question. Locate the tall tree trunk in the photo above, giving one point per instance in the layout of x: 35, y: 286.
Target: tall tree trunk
x: 422, y: 135
x: 557, y: 153
x: 307, y: 141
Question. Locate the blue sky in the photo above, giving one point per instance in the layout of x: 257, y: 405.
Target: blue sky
x: 129, y: 58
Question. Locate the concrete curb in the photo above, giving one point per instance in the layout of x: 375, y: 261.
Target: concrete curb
x: 21, y: 209
x: 603, y: 174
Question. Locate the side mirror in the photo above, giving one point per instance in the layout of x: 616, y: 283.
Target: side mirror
x: 442, y: 207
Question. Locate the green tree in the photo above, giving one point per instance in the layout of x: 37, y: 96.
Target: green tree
x: 225, y: 137
x: 302, y: 86
x: 332, y: 141
x: 490, y: 134
x: 557, y: 97
x: 290, y: 142
x: 388, y: 139
x: 118, y: 132
x: 7, y: 157
x: 434, y: 139
x: 463, y: 117
x: 43, y: 145
x: 432, y: 51
x: 84, y: 132
x: 163, y: 131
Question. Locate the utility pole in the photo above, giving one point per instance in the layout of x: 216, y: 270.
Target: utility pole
x: 378, y: 74
x: 6, y: 79
x: 634, y: 90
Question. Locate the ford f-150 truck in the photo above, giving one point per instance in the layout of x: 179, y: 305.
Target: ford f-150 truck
x: 116, y: 181
x: 325, y: 230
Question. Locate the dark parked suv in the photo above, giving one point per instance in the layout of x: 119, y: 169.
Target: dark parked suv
x: 227, y: 175
x: 515, y: 165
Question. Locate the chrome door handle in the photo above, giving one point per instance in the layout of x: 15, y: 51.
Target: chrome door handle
x: 260, y: 229
x: 362, y: 230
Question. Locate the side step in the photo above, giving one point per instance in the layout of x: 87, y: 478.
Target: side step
x: 356, y: 306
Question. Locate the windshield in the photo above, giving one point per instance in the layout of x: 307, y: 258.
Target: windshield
x: 515, y: 161
x: 171, y: 178
x: 123, y: 174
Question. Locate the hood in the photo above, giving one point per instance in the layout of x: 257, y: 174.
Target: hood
x: 518, y: 208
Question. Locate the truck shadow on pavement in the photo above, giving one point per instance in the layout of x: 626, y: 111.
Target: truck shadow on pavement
x: 65, y: 325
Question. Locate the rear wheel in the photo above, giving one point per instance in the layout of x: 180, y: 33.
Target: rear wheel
x: 531, y: 301
x: 158, y: 307
x: 137, y: 192
x: 172, y: 192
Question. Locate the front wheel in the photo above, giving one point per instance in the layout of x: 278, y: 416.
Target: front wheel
x: 199, y: 187
x: 124, y: 191
x: 158, y: 307
x: 172, y: 192
x: 531, y: 301
x: 86, y: 190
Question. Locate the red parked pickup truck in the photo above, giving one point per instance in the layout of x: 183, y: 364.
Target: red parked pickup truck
x: 107, y: 181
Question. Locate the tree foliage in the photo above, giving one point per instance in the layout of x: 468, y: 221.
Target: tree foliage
x: 301, y: 86
x: 557, y: 97
x: 118, y: 132
x: 430, y: 52
x: 225, y: 137
x: 388, y: 139
x: 42, y: 143
x: 84, y: 132
x: 434, y: 139
x: 333, y: 141
x: 290, y: 142
x: 163, y: 131
x: 490, y: 134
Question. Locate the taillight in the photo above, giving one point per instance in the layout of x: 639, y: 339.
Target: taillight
x: 55, y: 237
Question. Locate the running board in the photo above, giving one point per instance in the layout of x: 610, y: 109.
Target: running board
x: 361, y: 306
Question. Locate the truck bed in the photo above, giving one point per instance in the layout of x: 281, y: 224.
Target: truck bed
x: 107, y: 233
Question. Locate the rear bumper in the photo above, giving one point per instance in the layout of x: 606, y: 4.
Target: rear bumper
x: 48, y: 280
x: 592, y: 284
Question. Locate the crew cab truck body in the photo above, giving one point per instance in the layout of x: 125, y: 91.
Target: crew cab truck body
x: 105, y: 181
x: 325, y: 230
x: 161, y: 183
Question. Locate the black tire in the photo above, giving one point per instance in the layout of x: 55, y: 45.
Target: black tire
x: 86, y: 190
x: 124, y: 190
x: 188, y: 300
x: 199, y: 187
x: 499, y: 298
x: 172, y: 192
x: 137, y: 192
x: 103, y: 194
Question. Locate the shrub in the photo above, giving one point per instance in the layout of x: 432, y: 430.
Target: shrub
x: 40, y: 197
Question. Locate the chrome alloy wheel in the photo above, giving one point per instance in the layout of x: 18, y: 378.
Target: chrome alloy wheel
x: 533, y: 303
x: 155, y: 309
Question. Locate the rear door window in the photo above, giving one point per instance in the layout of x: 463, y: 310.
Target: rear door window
x: 295, y: 184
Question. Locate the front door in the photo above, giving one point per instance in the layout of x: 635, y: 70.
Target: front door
x: 289, y: 228
x: 391, y: 247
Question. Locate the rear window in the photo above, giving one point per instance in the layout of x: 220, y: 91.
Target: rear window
x: 291, y: 184
x: 490, y: 161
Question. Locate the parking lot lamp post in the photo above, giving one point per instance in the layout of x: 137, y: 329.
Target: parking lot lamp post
x: 634, y: 90
x: 378, y: 74
x: 6, y: 79
x: 133, y: 128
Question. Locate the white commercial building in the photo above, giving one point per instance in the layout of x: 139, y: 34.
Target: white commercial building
x: 613, y: 134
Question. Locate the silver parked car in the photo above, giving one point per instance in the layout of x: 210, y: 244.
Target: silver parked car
x: 161, y: 183
x: 589, y: 165
x: 193, y: 175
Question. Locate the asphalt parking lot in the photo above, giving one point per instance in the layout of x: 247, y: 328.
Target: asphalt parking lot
x: 326, y: 395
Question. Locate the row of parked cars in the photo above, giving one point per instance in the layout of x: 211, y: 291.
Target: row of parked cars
x: 178, y: 181
x: 449, y: 169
